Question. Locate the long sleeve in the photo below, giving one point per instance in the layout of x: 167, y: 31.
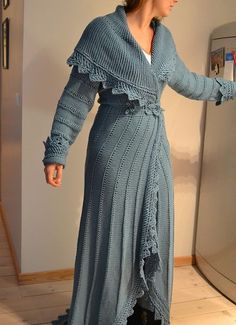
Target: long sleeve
x: 200, y: 87
x: 76, y: 101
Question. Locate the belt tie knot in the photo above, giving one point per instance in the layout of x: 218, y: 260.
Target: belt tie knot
x: 149, y: 108
x: 153, y: 108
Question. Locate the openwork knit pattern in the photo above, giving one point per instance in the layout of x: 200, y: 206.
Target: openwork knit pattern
x: 226, y: 90
x: 125, y: 243
x: 57, y: 146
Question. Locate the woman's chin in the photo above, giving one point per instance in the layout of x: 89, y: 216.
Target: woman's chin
x: 166, y: 14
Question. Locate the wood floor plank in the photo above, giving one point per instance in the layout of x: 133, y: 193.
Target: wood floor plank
x: 188, y: 277
x: 182, y: 294
x: 224, y: 317
x: 8, y: 281
x: 11, y: 319
x: 46, y: 288
x: 201, y: 306
x: 7, y: 270
x: 5, y: 260
x: 34, y: 302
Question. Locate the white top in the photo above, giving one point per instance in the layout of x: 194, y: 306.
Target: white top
x: 148, y: 56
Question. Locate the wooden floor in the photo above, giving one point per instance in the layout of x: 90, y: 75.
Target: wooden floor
x: 195, y: 301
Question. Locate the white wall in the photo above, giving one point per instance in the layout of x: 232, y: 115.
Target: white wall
x: 51, y: 216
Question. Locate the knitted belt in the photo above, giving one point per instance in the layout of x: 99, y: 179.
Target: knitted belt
x: 150, y: 108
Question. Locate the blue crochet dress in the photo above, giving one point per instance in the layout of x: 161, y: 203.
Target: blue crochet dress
x: 126, y: 236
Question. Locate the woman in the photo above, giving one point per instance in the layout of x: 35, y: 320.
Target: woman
x: 124, y: 259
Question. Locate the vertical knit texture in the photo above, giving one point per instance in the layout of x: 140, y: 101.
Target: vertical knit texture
x: 126, y: 238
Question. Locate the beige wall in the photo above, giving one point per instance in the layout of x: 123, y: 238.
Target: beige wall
x: 52, y: 215
x: 46, y: 229
x: 11, y: 114
x: 191, y: 23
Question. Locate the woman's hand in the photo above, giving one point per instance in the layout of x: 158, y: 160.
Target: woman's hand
x: 53, y: 174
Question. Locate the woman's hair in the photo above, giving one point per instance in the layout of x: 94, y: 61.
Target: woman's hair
x: 132, y: 5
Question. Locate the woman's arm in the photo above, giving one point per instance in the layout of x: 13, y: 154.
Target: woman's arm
x: 200, y: 87
x: 76, y: 101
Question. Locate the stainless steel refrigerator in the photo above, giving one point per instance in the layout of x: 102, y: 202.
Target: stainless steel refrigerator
x: 215, y: 245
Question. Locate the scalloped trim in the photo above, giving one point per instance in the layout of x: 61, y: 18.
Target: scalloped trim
x: 150, y: 239
x: 96, y: 73
x: 56, y: 146
x: 128, y: 309
x: 226, y: 90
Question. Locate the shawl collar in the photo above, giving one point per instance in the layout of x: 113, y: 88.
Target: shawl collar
x: 109, y: 53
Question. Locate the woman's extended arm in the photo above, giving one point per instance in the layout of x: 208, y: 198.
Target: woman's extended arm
x: 76, y: 101
x: 200, y: 87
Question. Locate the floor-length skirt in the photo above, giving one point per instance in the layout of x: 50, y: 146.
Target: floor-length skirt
x: 125, y: 241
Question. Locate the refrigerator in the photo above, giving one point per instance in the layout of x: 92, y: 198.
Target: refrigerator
x: 215, y: 242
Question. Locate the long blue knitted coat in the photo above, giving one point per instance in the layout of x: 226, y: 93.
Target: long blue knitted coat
x: 126, y: 236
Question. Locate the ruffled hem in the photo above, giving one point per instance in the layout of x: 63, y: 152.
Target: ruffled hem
x: 149, y: 241
x: 226, y: 90
x: 98, y: 74
x: 128, y: 309
x: 161, y: 312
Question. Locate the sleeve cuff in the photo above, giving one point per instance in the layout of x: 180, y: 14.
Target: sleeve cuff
x: 56, y: 150
x: 227, y: 90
